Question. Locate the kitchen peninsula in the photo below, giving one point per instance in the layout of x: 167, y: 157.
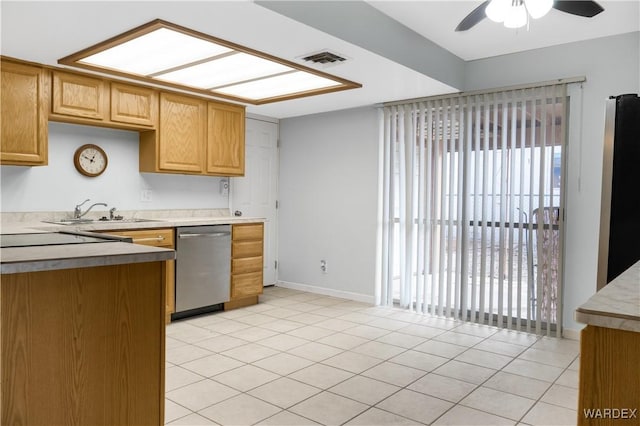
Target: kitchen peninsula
x: 82, y: 329
x: 610, y: 353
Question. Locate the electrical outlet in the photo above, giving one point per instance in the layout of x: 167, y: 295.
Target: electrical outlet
x: 323, y: 266
x: 224, y: 187
x: 146, y: 195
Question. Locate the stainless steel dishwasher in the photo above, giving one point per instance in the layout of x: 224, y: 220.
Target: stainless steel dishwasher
x: 203, y: 269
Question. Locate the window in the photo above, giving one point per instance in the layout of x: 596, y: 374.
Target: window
x: 473, y: 199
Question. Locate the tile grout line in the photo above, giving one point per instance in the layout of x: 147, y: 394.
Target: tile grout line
x: 352, y: 350
x: 478, y: 386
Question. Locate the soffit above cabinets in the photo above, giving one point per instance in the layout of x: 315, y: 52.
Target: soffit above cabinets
x: 175, y: 56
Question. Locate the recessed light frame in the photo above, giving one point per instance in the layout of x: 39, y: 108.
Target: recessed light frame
x: 319, y: 82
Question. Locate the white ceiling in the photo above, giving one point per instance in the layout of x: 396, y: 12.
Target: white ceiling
x: 46, y: 31
x: 436, y: 21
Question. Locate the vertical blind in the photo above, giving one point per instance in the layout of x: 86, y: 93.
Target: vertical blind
x: 473, y: 207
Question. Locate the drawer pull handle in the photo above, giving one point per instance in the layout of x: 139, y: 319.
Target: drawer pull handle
x: 158, y: 238
x: 207, y: 235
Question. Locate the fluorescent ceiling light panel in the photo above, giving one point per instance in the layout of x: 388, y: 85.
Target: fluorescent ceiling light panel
x: 163, y: 53
x: 223, y: 71
x: 298, y: 81
x: 156, y: 51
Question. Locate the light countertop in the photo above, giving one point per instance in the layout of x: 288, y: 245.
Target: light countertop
x: 617, y: 305
x: 174, y: 222
x: 39, y: 258
x: 16, y: 260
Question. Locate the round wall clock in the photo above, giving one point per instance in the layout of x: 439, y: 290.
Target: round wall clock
x: 90, y: 160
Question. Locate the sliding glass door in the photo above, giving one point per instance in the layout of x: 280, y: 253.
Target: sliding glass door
x: 473, y: 207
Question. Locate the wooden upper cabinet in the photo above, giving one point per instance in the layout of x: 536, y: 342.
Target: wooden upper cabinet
x: 23, y: 114
x: 194, y: 136
x: 225, y: 140
x: 181, y: 133
x: 178, y: 133
x: 79, y: 96
x: 133, y: 104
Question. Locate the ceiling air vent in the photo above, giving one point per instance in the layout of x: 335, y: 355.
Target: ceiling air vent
x: 324, y: 58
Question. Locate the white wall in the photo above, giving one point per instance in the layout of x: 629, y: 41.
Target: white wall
x: 328, y: 200
x: 329, y: 170
x: 59, y: 187
x: 612, y: 67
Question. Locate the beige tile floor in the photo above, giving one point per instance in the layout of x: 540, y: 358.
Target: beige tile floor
x: 303, y: 359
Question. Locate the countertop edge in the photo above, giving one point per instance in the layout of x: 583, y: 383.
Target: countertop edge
x: 14, y: 261
x: 97, y: 226
x: 615, y: 306
x: 606, y: 321
x: 124, y: 253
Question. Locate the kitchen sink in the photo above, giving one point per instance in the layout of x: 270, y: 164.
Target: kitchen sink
x: 70, y: 221
x: 86, y: 221
x: 129, y: 220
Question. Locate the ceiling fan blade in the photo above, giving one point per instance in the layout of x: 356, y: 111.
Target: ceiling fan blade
x: 474, y: 17
x: 587, y: 9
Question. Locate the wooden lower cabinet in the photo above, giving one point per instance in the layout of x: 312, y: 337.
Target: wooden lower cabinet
x: 247, y: 265
x: 609, y: 385
x: 83, y: 346
x: 158, y: 238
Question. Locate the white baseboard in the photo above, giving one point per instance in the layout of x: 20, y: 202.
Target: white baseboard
x: 358, y: 297
x: 572, y: 334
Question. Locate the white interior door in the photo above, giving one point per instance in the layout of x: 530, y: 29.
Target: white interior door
x: 255, y: 193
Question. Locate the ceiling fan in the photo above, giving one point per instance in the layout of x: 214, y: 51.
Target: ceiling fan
x: 514, y: 12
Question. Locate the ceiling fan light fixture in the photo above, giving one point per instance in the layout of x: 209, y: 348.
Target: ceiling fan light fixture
x: 538, y: 8
x: 517, y: 17
x: 518, y: 12
x: 497, y: 10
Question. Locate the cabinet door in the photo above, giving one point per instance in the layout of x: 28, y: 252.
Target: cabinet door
x: 157, y: 238
x: 23, y: 114
x: 181, y: 133
x: 225, y: 140
x: 79, y: 96
x: 133, y: 104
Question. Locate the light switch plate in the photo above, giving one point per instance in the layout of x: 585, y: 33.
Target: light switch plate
x: 146, y: 195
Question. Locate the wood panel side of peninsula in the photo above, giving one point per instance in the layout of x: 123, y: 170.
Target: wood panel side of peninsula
x: 83, y: 346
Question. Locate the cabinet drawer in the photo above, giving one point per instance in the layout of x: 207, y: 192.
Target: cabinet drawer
x: 247, y: 264
x: 246, y: 249
x: 244, y: 285
x: 148, y: 237
x: 247, y: 232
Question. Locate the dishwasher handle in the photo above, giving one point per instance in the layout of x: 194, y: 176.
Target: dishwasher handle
x: 203, y: 234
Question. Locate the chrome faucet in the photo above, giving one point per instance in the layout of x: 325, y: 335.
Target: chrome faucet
x: 77, y: 212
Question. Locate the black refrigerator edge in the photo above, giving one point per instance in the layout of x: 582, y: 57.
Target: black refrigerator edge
x: 619, y: 246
